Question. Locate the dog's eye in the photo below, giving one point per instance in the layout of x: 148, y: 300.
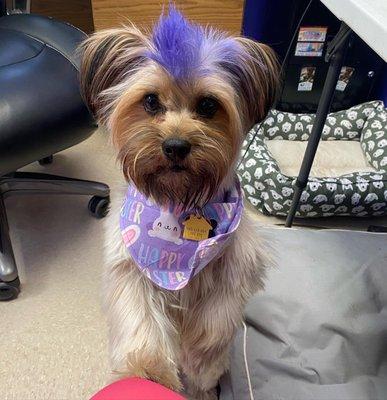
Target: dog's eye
x: 207, y: 107
x: 152, y: 104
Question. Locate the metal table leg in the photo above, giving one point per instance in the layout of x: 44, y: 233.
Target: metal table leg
x: 335, y: 55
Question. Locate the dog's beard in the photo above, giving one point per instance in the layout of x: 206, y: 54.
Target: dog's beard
x: 185, y: 187
x: 189, y: 190
x: 190, y: 183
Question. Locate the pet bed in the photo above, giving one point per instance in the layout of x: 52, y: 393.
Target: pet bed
x: 350, y: 172
x: 318, y: 331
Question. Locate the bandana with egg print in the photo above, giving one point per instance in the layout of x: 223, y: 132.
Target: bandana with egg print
x: 170, y: 246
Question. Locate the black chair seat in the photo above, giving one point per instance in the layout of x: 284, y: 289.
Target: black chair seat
x: 41, y: 110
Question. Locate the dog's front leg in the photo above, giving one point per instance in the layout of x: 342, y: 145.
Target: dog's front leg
x: 143, y: 339
x: 214, y: 303
x: 208, y: 330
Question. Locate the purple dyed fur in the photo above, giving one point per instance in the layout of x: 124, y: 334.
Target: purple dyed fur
x: 184, y: 48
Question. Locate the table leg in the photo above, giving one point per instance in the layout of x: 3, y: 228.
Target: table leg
x: 338, y: 46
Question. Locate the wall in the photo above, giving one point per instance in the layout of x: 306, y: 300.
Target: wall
x: 77, y: 12
x: 225, y: 14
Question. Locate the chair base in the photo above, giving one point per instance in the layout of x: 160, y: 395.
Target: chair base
x: 21, y: 183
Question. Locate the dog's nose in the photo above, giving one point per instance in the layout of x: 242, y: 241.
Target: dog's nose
x: 176, y: 149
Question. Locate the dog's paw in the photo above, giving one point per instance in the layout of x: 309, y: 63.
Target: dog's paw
x: 155, y: 369
x: 166, y: 378
x: 199, y: 395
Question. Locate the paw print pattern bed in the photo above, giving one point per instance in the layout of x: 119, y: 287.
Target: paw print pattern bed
x: 361, y: 133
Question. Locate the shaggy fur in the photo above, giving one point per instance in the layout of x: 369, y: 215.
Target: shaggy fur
x: 154, y: 333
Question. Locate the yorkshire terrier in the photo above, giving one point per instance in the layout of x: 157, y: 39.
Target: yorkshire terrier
x: 181, y: 258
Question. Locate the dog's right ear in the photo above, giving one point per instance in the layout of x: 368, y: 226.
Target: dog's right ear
x: 258, y: 76
x: 106, y: 58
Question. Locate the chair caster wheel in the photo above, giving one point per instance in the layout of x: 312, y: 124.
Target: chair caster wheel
x: 99, y: 206
x: 46, y: 160
x: 9, y: 290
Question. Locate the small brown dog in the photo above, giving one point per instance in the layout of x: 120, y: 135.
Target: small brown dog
x: 177, y: 103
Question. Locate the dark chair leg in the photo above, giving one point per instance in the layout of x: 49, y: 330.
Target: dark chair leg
x: 34, y: 183
x: 9, y: 281
x: 19, y: 183
x: 46, y: 160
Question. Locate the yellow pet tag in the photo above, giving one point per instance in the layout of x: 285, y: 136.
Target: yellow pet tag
x: 196, y: 228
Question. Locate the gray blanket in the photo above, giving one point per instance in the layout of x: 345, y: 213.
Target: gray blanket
x: 319, y: 330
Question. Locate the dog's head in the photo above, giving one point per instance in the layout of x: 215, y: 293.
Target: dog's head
x: 177, y: 102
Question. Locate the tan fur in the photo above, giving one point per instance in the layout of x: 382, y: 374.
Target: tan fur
x: 154, y: 333
x: 138, y: 136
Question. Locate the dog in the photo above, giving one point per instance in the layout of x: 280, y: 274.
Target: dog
x: 177, y: 102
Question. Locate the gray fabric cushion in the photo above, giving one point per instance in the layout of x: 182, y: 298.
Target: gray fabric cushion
x: 319, y: 330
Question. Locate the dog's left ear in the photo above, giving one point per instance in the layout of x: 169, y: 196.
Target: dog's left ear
x: 258, y: 79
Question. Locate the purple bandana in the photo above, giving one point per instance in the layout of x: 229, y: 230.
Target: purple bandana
x: 157, y: 238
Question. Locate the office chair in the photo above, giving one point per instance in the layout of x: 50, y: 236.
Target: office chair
x: 41, y: 113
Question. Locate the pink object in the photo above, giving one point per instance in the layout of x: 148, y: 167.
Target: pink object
x: 136, y: 389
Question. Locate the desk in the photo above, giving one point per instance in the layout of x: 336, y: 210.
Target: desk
x: 368, y: 19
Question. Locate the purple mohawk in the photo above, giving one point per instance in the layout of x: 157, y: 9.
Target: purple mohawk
x: 182, y: 47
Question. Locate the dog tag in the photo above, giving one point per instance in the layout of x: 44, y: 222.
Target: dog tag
x: 196, y: 228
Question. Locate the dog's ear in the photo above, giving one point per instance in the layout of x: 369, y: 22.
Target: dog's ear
x: 258, y: 79
x: 106, y: 57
